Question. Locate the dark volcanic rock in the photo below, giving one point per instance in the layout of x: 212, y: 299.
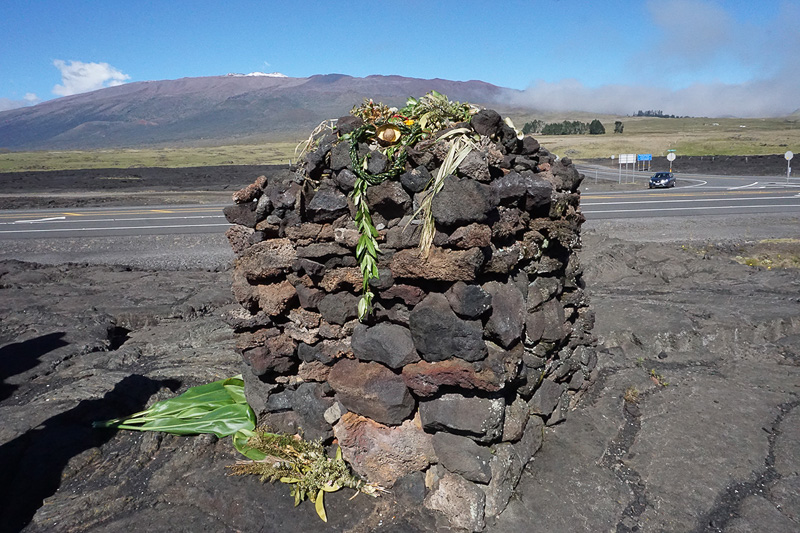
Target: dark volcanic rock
x: 480, y: 418
x: 546, y: 397
x: 416, y: 179
x: 338, y: 307
x: 389, y: 199
x: 371, y: 390
x: 538, y: 192
x: 439, y: 334
x: 327, y: 205
x: 487, y: 122
x: 462, y: 201
x: 242, y: 214
x: 389, y: 344
x: 468, y: 301
x: 463, y: 456
x: 507, y: 321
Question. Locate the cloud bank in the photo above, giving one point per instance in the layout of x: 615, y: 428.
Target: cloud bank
x: 79, y: 77
x: 10, y: 103
x: 766, y: 98
x: 695, y: 40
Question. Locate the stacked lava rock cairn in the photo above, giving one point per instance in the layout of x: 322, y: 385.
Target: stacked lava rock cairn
x: 469, y: 351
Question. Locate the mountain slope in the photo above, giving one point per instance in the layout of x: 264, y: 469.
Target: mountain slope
x: 218, y: 108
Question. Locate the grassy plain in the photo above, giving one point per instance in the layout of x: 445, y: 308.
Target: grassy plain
x: 240, y: 154
x: 687, y: 136
x: 641, y: 135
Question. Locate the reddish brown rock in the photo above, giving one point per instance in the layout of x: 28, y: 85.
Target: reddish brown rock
x: 410, y: 294
x: 275, y: 298
x: 443, y: 265
x: 309, y: 230
x: 300, y: 333
x: 305, y: 318
x: 372, y: 390
x: 383, y: 454
x: 247, y: 340
x: 245, y: 294
x: 249, y: 193
x: 313, y: 371
x: 239, y: 238
x: 474, y: 235
x: 266, y: 260
x: 347, y: 278
x: 426, y: 378
x: 275, y: 356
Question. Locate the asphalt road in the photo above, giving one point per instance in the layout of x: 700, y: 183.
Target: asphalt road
x: 192, y: 236
x: 692, y: 195
x: 112, y: 221
x: 607, y: 195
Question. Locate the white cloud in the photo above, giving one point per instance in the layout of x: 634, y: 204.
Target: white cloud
x: 8, y: 103
x: 766, y: 98
x: 709, y: 64
x: 79, y: 77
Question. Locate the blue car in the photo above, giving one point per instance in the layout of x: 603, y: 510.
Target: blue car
x: 662, y: 180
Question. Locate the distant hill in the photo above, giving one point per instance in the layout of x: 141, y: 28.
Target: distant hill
x: 213, y: 109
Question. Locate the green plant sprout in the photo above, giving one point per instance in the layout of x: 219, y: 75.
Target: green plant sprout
x: 220, y: 408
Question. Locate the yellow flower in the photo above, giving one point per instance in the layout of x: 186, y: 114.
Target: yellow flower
x: 408, y: 122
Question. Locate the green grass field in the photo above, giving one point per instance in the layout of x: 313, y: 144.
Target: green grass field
x: 688, y: 136
x: 243, y: 154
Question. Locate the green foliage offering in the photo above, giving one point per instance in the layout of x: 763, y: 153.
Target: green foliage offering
x: 392, y: 131
x: 618, y: 126
x: 302, y: 464
x: 219, y: 408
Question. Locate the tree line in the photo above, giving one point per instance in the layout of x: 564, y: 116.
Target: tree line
x: 568, y: 127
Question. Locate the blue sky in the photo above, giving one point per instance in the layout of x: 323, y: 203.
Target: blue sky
x: 699, y: 57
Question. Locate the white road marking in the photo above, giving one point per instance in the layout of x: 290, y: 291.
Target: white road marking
x: 112, y: 228
x: 683, y: 200
x: 688, y: 208
x: 39, y: 220
x: 64, y: 220
x: 744, y: 186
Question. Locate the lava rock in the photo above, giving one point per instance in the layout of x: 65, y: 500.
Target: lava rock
x: 506, y: 469
x: 383, y: 454
x: 480, y: 418
x: 441, y: 264
x: 242, y: 214
x: 426, y: 379
x: 439, y: 334
x: 462, y: 201
x: 463, y: 456
x: 371, y: 390
x: 460, y: 501
x: 416, y: 179
x: 389, y: 344
x: 338, y: 307
x: 389, y: 199
x: 487, y: 122
x: 545, y: 399
x: 507, y: 320
x: 468, y: 301
x: 327, y: 205
x: 266, y: 260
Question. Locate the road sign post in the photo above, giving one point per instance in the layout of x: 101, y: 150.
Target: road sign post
x: 788, y: 155
x: 670, y: 158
